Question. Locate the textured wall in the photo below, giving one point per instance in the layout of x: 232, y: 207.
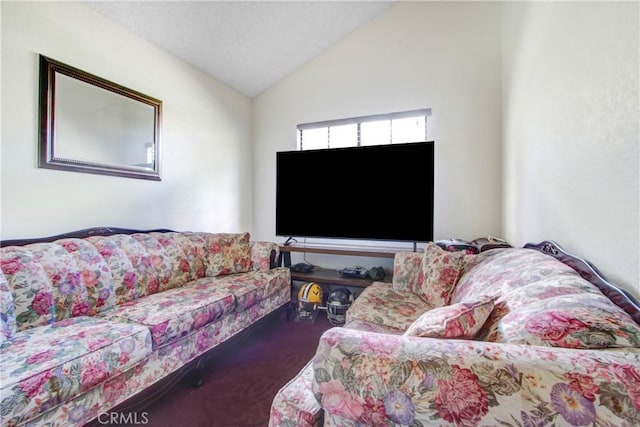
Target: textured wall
x: 571, y: 131
x: 444, y: 56
x: 206, y: 135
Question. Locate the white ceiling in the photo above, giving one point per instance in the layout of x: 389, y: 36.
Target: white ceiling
x: 249, y: 45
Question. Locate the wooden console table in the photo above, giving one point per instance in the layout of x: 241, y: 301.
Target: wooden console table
x: 329, y: 276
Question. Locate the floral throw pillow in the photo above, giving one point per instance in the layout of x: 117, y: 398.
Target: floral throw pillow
x: 462, y: 320
x: 441, y: 270
x: 228, y: 253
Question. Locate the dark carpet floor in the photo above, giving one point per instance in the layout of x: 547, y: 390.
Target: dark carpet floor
x: 240, y: 382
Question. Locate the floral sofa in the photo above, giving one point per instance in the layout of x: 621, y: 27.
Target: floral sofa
x: 509, y: 337
x: 87, y: 323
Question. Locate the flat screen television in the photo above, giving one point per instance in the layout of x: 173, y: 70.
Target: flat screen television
x: 381, y: 192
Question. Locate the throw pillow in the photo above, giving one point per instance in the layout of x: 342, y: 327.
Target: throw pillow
x: 228, y: 253
x: 462, y: 320
x: 441, y: 270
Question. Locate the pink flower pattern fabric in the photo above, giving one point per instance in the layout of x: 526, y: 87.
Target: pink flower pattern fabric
x: 440, y: 272
x: 553, y: 351
x: 461, y: 320
x: 541, y: 301
x: 393, y: 309
x: 261, y: 254
x: 49, y: 365
x: 7, y: 310
x: 31, y: 288
x: 295, y: 401
x: 95, y: 273
x: 228, y: 253
x: 152, y: 311
x: 365, y: 378
x: 407, y: 271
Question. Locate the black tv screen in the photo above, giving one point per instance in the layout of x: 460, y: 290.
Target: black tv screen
x: 382, y: 192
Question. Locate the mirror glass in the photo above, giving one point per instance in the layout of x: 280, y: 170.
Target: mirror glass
x: 92, y: 125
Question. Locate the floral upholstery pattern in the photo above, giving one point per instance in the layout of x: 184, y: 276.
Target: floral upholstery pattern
x: 362, y: 378
x: 502, y: 271
x: 573, y: 321
x: 461, y: 320
x: 407, y: 271
x: 151, y: 308
x: 169, y: 358
x: 147, y: 281
x: 393, y: 309
x: 125, y: 279
x: 175, y: 313
x: 165, y: 258
x: 261, y: 254
x: 188, y: 254
x: 95, y: 273
x: 7, y: 310
x: 43, y: 367
x: 363, y: 325
x: 30, y: 287
x: 69, y: 294
x: 440, y: 272
x: 295, y: 404
x: 553, y: 351
x: 249, y: 288
x: 544, y: 302
x: 228, y: 253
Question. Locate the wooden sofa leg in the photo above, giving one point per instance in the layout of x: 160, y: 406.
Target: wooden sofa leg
x: 195, y: 377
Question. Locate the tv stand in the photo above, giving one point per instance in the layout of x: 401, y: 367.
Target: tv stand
x: 329, y: 276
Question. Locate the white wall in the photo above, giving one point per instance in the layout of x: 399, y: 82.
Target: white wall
x: 444, y: 56
x: 571, y: 131
x: 206, y: 133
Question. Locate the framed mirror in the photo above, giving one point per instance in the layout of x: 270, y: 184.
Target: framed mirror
x: 89, y: 124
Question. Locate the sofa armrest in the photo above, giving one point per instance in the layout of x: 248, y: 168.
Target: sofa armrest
x: 407, y: 267
x: 264, y: 255
x: 367, y: 378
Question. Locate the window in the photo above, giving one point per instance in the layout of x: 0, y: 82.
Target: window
x: 393, y: 128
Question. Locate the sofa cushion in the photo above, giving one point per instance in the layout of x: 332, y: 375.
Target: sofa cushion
x: 125, y: 279
x: 144, y: 264
x: 177, y: 312
x: 499, y: 271
x: 7, y: 310
x: 261, y: 254
x: 440, y: 270
x: 251, y: 287
x: 382, y: 305
x: 228, y: 253
x: 189, y: 259
x: 542, y: 301
x: 29, y: 270
x: 95, y: 273
x: 407, y: 271
x: 461, y: 320
x: 581, y: 320
x: 165, y: 259
x: 48, y: 365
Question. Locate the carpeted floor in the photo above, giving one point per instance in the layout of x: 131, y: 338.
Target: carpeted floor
x: 239, y: 384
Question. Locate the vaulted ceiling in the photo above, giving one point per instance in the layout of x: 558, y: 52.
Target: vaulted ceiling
x: 248, y: 45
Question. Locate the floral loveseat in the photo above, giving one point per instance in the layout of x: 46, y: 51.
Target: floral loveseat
x: 87, y: 323
x: 509, y: 337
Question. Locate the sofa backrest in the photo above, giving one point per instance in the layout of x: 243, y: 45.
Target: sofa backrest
x: 542, y: 301
x: 7, y: 310
x: 49, y: 281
